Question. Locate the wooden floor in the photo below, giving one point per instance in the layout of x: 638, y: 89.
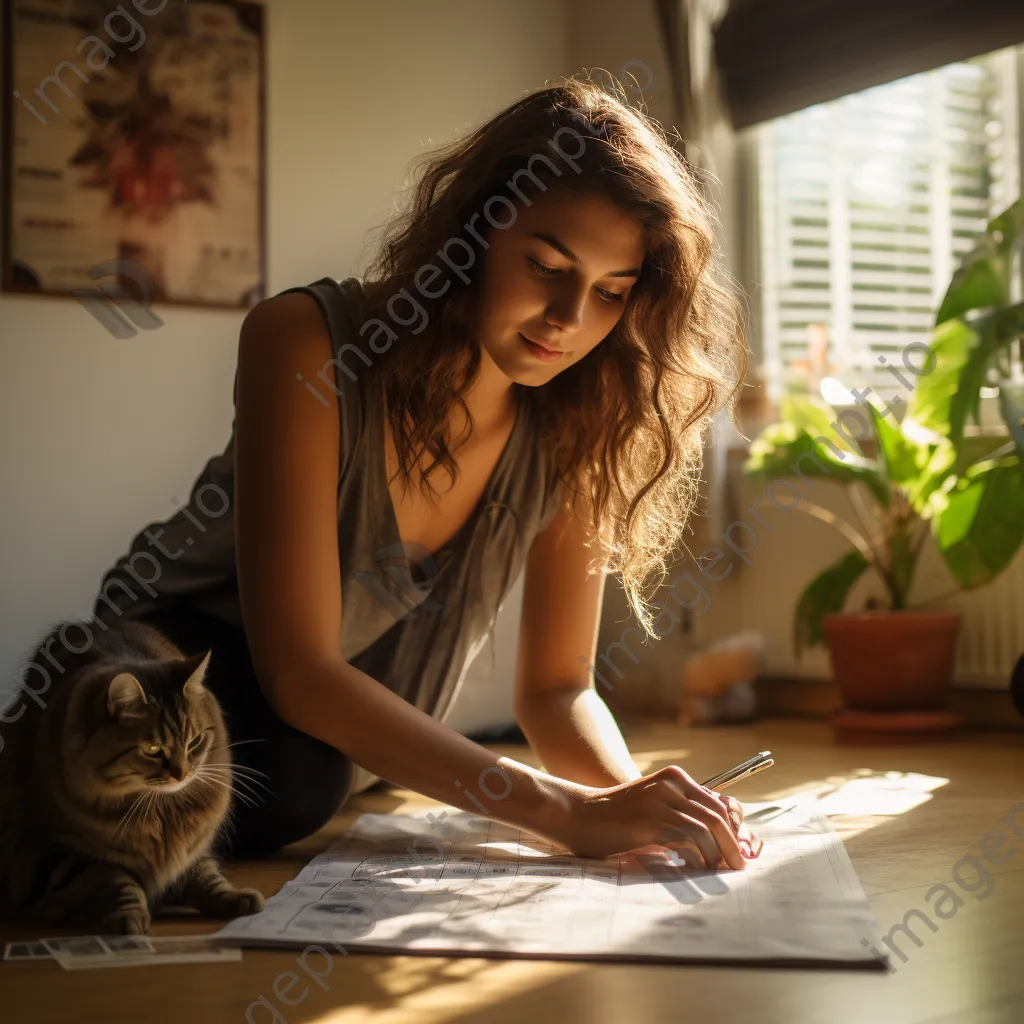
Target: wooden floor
x: 915, y: 814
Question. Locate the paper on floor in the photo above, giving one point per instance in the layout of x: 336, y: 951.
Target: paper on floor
x: 463, y: 885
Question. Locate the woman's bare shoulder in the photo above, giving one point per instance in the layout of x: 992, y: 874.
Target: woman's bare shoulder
x: 286, y: 340
x: 292, y: 312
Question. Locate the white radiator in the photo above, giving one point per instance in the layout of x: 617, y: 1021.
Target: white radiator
x: 992, y: 636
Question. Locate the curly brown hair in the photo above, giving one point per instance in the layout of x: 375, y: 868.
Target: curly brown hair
x: 624, y: 426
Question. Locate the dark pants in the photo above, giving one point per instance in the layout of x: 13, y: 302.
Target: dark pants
x: 308, y: 780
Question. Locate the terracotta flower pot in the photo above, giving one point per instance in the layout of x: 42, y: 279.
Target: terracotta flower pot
x: 893, y: 661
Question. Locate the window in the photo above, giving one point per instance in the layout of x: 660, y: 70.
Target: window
x: 867, y: 203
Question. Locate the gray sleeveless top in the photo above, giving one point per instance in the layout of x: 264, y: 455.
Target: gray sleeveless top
x: 411, y: 621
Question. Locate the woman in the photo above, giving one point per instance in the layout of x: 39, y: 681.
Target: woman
x: 544, y: 325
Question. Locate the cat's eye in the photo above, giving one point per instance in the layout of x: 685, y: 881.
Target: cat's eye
x: 151, y: 749
x: 195, y: 744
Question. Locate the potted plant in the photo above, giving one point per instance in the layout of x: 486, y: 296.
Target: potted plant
x: 915, y: 469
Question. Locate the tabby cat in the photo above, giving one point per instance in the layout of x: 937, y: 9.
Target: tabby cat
x: 115, y: 781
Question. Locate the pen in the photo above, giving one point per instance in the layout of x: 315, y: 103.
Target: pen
x: 761, y: 760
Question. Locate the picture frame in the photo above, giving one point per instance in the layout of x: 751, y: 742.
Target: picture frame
x: 134, y: 153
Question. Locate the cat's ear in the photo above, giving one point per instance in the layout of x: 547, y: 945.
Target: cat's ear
x: 125, y: 696
x: 194, y: 683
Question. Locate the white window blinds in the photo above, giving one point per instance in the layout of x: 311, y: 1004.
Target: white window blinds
x: 866, y: 205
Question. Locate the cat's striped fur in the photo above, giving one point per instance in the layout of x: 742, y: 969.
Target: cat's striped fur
x: 106, y: 814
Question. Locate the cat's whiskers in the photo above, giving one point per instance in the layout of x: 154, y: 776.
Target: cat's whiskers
x: 255, y: 794
x: 123, y: 823
x: 242, y: 772
x: 140, y: 808
x: 253, y: 783
x: 242, y: 785
x: 208, y: 778
x: 204, y: 774
x: 244, y: 768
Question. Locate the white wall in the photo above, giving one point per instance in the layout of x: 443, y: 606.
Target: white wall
x: 98, y: 435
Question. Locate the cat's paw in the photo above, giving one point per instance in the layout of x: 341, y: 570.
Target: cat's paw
x: 126, y: 922
x: 234, y: 903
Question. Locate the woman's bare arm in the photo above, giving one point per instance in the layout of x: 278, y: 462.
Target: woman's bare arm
x: 557, y: 705
x: 286, y: 528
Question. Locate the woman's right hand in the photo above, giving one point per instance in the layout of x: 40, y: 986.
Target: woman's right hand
x: 667, y: 808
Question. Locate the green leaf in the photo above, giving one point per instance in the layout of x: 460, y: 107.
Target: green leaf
x: 917, y: 460
x: 825, y: 595
x: 819, y: 420
x: 945, y: 397
x: 938, y: 466
x: 805, y: 444
x: 979, y: 523
x: 899, y: 454
x: 982, y: 281
x: 979, y: 284
x: 979, y: 448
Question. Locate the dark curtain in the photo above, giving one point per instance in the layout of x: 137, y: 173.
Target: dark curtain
x: 674, y: 19
x: 778, y: 56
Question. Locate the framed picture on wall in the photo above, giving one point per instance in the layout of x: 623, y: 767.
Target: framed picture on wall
x: 134, y: 150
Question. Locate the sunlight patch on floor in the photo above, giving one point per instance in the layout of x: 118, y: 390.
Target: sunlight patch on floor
x: 652, y: 760
x: 432, y: 990
x: 860, y: 800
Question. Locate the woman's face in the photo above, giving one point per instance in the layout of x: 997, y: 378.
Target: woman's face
x: 559, y: 277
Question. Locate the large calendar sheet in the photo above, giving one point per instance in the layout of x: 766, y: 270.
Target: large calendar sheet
x: 454, y: 884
